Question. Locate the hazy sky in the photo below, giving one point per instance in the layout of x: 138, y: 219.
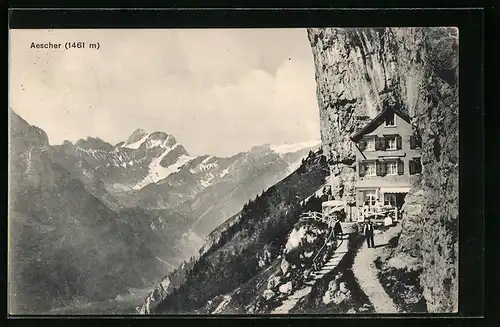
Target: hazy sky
x: 217, y: 91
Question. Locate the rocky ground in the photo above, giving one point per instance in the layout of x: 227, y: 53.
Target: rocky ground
x: 349, y: 279
x: 338, y: 292
x: 273, y: 288
x: 366, y: 273
x: 400, y: 279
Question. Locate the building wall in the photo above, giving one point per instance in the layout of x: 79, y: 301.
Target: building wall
x: 402, y: 128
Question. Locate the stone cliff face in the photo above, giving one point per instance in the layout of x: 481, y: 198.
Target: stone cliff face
x: 361, y: 71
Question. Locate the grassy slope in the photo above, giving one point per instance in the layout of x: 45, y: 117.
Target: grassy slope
x: 265, y: 224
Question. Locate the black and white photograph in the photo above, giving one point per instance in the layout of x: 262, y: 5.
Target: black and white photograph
x: 233, y: 171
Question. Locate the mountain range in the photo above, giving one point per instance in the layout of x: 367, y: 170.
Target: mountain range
x: 153, y: 171
x: 137, y: 208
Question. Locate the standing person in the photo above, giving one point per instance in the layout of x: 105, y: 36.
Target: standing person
x: 378, y: 205
x: 337, y: 229
x: 368, y: 232
x: 327, y: 193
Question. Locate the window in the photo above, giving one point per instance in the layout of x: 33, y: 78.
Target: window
x: 370, y: 198
x: 389, y: 121
x: 390, y: 199
x: 391, y: 143
x: 392, y: 168
x: 415, y: 166
x: 415, y: 141
x: 370, y: 169
x: 370, y: 144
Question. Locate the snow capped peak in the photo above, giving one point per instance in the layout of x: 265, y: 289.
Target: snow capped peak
x: 294, y: 147
x: 160, y: 139
x: 150, y: 140
x: 137, y: 144
x: 162, y: 136
x: 136, y: 136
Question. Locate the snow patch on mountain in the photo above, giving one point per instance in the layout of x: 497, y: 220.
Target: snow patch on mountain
x: 204, y: 165
x: 207, y: 181
x: 157, y: 172
x: 136, y: 145
x: 207, y: 159
x: 294, y: 147
x: 157, y: 143
x: 224, y: 172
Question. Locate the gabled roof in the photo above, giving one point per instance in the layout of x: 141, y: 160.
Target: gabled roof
x: 375, y: 122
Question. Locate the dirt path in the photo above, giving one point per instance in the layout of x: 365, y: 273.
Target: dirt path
x: 366, y: 273
x: 292, y: 300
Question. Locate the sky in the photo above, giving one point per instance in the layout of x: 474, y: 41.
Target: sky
x: 217, y: 91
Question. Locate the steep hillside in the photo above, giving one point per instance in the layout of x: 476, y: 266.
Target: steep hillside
x: 247, y: 246
x: 69, y: 222
x: 361, y: 71
x: 65, y: 245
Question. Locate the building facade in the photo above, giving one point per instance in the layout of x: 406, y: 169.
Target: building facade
x: 387, y: 155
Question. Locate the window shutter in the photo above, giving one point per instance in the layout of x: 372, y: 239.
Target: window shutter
x: 383, y: 143
x: 377, y: 168
x: 383, y: 169
x: 359, y: 198
x: 399, y: 142
x: 418, y: 165
x: 361, y: 169
x: 401, y: 167
x: 418, y: 141
x: 377, y: 143
x: 412, y: 167
x: 413, y: 142
x: 362, y: 145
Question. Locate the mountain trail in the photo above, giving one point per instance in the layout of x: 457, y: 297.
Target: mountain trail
x: 366, y: 273
x: 291, y: 301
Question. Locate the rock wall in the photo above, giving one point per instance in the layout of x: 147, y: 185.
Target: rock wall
x: 358, y: 73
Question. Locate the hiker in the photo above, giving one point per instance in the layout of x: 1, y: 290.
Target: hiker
x: 327, y: 190
x: 337, y: 229
x: 368, y: 232
x: 327, y: 194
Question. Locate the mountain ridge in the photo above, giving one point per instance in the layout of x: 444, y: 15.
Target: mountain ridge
x: 161, y: 235
x: 154, y: 171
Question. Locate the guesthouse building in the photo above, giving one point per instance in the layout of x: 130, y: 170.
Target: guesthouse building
x: 387, y: 155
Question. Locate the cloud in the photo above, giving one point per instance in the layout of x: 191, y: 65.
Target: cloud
x: 216, y: 91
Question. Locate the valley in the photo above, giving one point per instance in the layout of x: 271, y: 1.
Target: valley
x: 63, y: 196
